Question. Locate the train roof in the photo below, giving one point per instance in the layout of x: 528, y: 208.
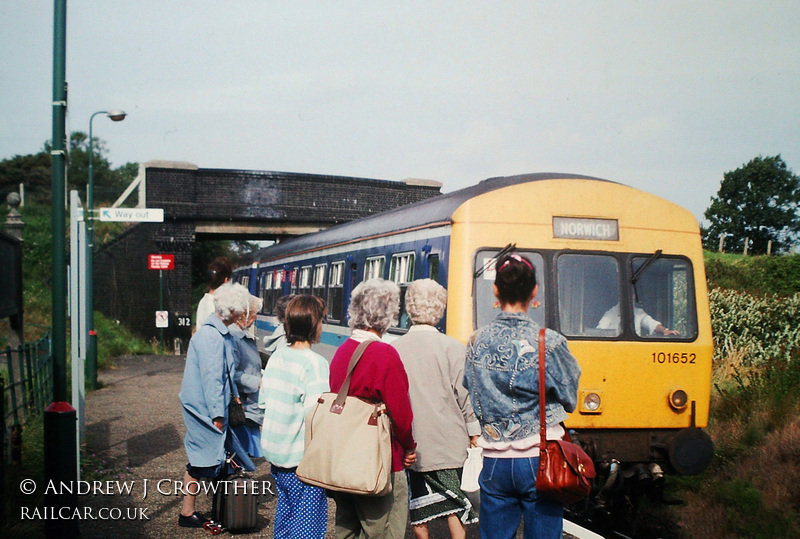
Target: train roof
x: 438, y: 209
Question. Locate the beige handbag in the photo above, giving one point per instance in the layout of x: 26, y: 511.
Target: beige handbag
x: 348, y: 444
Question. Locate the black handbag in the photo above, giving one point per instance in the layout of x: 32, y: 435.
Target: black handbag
x: 236, y: 415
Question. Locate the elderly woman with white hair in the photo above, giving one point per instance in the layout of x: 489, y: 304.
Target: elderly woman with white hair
x: 379, y: 376
x: 444, y: 422
x: 248, y: 378
x: 205, y: 393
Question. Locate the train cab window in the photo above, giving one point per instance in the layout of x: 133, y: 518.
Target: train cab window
x: 486, y: 308
x: 304, y: 280
x: 318, y: 283
x: 373, y: 268
x: 588, y: 288
x: 336, y: 292
x: 401, y: 271
x: 662, y: 292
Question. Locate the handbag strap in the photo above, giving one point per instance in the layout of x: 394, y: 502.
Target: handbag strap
x: 234, y: 389
x: 345, y: 389
x: 542, y: 424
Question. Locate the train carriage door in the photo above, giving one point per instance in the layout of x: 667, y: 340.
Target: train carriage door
x: 336, y: 292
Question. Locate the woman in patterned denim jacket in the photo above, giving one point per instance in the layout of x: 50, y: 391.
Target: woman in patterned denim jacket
x: 502, y: 377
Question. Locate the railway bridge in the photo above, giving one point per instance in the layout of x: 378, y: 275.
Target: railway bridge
x: 203, y: 204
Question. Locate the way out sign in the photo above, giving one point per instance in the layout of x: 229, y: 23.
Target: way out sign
x: 160, y: 262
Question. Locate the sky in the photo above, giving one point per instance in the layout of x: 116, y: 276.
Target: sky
x: 663, y: 96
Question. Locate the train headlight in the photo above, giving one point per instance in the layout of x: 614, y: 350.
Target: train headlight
x: 678, y: 400
x: 591, y: 402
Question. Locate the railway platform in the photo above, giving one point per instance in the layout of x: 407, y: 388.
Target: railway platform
x: 135, y: 440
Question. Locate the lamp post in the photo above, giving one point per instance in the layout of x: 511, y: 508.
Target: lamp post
x: 91, y: 344
x: 60, y: 448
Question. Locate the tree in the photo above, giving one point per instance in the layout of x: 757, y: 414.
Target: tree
x: 34, y: 171
x: 759, y: 201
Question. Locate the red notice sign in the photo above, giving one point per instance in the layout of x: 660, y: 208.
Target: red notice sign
x: 160, y: 262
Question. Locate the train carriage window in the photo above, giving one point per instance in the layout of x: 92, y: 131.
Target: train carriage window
x: 266, y: 292
x: 277, y: 289
x: 373, y: 268
x: 293, y: 281
x: 663, y: 298
x: 401, y: 271
x: 433, y: 267
x: 336, y: 292
x: 304, y: 280
x: 318, y: 284
x: 485, y: 303
x: 588, y: 288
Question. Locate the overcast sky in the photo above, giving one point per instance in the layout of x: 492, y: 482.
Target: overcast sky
x: 663, y: 96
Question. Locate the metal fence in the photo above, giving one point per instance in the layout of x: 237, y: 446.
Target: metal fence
x: 27, y: 374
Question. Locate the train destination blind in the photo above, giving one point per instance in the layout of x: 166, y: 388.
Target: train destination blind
x: 581, y: 228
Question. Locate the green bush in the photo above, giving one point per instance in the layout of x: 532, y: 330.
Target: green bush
x: 753, y: 328
x: 114, y: 340
x: 755, y: 274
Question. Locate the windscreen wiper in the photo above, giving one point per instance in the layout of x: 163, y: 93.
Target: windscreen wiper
x: 655, y: 256
x: 504, y: 251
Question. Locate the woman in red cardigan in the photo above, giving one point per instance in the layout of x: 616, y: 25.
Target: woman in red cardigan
x: 379, y: 376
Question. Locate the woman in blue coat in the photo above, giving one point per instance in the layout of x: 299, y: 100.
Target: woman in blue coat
x: 205, y: 394
x: 248, y: 379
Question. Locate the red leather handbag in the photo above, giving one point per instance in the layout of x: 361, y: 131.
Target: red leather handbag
x: 565, y: 470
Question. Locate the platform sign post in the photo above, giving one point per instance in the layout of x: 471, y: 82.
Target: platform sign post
x: 161, y: 263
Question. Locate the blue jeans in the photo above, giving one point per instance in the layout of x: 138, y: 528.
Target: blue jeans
x: 508, y: 494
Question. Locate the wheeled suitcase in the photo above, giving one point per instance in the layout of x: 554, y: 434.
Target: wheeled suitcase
x: 235, y: 505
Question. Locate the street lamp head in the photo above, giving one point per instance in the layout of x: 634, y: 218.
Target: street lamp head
x: 117, y: 115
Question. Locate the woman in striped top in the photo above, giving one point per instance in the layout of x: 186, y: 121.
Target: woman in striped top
x: 293, y: 380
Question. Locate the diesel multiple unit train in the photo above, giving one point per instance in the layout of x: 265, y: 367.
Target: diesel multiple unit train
x: 620, y: 274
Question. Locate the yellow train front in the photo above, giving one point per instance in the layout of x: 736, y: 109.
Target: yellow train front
x: 621, y: 275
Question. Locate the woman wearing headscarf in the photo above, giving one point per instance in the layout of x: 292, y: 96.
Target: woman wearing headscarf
x: 205, y: 394
x: 444, y: 423
x: 379, y: 377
